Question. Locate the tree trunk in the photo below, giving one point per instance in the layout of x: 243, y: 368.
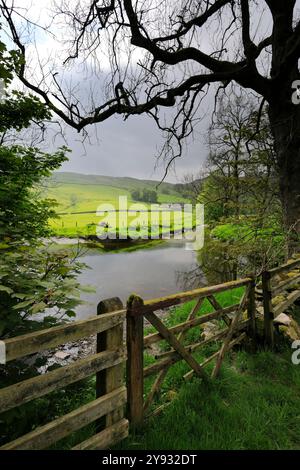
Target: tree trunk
x: 285, y: 118
x: 285, y: 124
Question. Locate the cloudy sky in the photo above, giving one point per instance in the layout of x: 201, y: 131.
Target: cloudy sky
x: 118, y: 148
x: 114, y: 147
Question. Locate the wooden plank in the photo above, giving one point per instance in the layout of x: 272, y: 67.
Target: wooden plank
x: 107, y: 438
x: 154, y: 337
x: 28, y: 390
x: 193, y: 312
x: 189, y: 374
x: 291, y: 298
x: 213, y: 301
x: 158, y: 410
x: 38, y: 341
x: 135, y: 362
x: 162, y: 374
x: 195, y: 346
x: 231, y: 331
x: 44, y: 436
x: 108, y: 380
x: 164, y: 302
x: 285, y: 284
x: 268, y: 309
x: 160, y: 365
x: 172, y: 340
x: 284, y: 267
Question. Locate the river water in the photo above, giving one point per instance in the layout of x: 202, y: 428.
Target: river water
x: 150, y: 273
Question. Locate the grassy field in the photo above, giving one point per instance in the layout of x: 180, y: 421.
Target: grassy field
x: 84, y: 193
x: 254, y: 405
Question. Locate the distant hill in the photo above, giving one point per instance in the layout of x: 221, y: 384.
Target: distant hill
x: 78, y: 197
x: 123, y: 182
x: 78, y: 192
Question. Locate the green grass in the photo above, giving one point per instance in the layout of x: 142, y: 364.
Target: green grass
x: 178, y: 315
x: 235, y: 232
x: 73, y: 225
x: 254, y: 404
x: 84, y: 193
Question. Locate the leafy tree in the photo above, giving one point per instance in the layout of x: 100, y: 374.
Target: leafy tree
x: 242, y: 176
x: 33, y: 278
x: 24, y: 215
x: 147, y: 195
x: 136, y: 195
x: 73, y: 200
x: 241, y: 192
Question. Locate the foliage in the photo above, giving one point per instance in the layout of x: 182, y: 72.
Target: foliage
x: 33, y: 280
x: 23, y: 214
x: 241, y: 192
x: 147, y: 195
x: 44, y: 282
x: 242, y: 177
x: 45, y: 409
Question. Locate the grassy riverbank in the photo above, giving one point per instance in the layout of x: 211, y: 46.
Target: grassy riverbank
x: 255, y: 404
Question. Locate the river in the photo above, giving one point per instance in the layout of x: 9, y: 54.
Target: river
x: 150, y: 273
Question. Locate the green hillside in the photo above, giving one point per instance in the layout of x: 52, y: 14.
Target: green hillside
x: 84, y: 193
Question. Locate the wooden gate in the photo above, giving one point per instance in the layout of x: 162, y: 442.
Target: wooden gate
x: 137, y: 310
x: 107, y: 363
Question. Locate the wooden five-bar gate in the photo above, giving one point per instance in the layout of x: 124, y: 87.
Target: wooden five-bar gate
x: 174, y: 336
x: 120, y: 397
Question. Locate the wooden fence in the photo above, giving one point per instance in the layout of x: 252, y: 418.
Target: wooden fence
x: 107, y: 363
x: 272, y: 285
x: 112, y: 392
x: 233, y: 333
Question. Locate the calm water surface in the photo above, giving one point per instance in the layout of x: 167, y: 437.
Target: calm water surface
x: 150, y: 273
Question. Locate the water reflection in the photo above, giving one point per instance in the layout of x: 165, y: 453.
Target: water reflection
x: 150, y: 273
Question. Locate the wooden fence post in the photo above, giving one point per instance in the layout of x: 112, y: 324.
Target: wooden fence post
x: 112, y: 378
x: 268, y: 309
x: 135, y: 361
x: 252, y: 310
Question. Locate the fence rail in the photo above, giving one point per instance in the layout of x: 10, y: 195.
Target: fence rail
x: 107, y: 364
x: 112, y: 392
x: 21, y: 346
